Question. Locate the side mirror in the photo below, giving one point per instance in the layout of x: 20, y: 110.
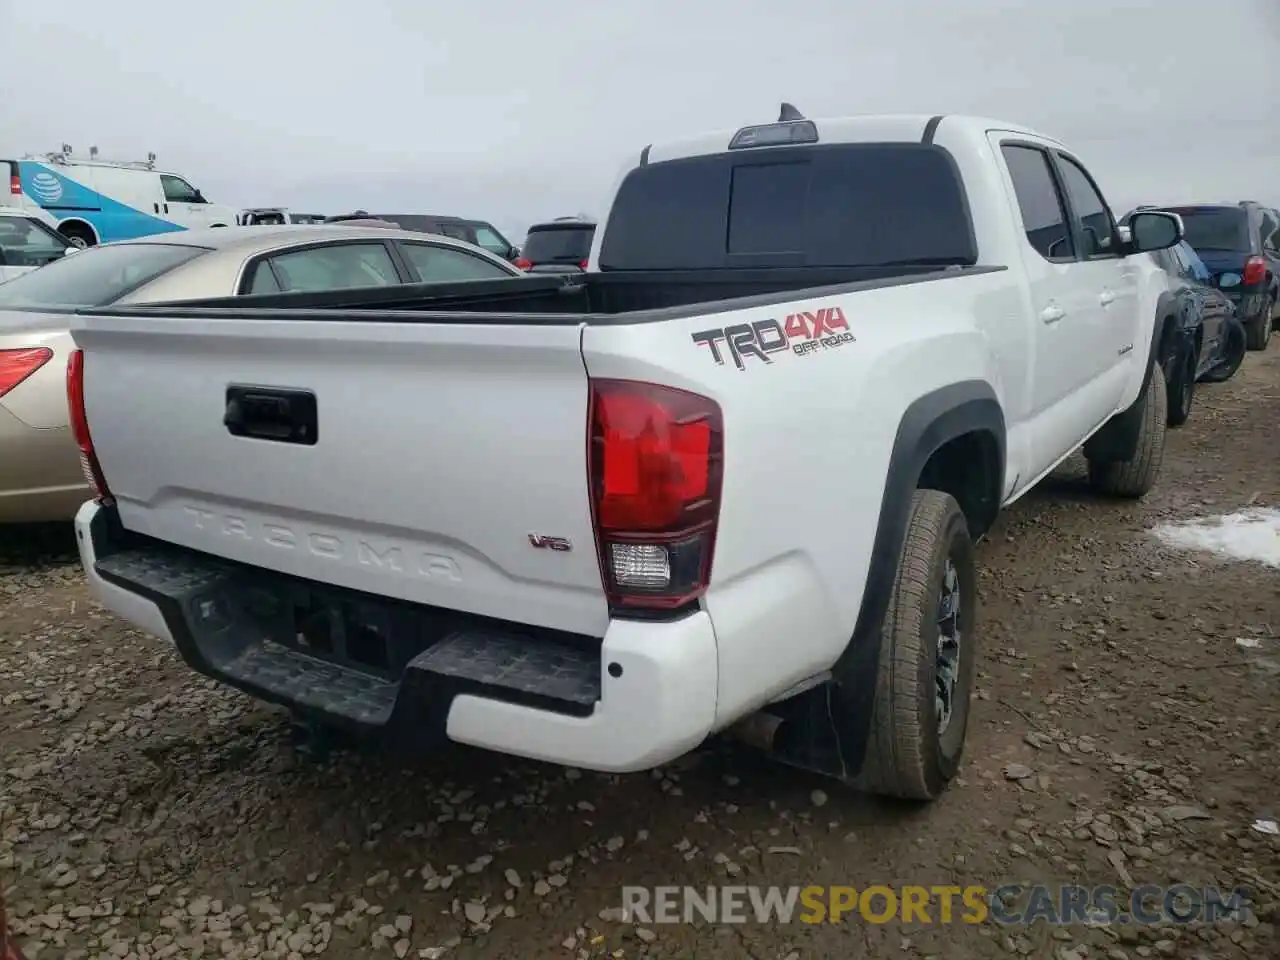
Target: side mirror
x: 200, y: 197
x: 1151, y: 230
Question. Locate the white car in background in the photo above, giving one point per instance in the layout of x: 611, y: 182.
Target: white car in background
x: 28, y: 239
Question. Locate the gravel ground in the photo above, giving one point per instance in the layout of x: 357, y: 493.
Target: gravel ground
x: 1121, y: 736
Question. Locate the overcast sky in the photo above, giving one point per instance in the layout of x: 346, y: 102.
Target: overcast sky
x: 516, y: 111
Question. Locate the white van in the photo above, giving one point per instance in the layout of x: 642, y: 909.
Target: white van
x: 95, y: 201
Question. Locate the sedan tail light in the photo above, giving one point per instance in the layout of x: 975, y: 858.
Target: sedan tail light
x: 18, y: 365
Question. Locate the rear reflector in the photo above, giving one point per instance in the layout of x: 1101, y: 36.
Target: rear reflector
x: 655, y: 463
x: 1255, y: 271
x: 17, y: 365
x: 80, y: 428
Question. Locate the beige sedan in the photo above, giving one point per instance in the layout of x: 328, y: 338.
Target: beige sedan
x: 40, y: 473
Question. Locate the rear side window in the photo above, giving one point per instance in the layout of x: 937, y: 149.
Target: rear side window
x: 1270, y: 231
x: 558, y: 244
x: 1215, y: 228
x: 440, y: 264
x: 822, y: 206
x: 26, y: 242
x: 1043, y: 216
x: 339, y: 266
x: 95, y: 277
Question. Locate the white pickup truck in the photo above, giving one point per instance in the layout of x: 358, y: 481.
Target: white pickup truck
x: 729, y: 479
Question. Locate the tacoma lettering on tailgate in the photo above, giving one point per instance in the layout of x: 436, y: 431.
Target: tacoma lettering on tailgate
x: 801, y: 333
x: 357, y: 552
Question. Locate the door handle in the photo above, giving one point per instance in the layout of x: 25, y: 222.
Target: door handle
x: 1106, y: 298
x: 1052, y: 313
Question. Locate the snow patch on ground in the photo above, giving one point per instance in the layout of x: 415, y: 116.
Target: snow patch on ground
x: 1248, y: 535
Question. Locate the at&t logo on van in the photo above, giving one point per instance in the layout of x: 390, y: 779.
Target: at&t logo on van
x: 45, y: 187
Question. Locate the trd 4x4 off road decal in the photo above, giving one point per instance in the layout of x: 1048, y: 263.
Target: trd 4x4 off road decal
x: 801, y: 333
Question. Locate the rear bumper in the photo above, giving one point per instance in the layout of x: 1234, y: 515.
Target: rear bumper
x: 640, y: 697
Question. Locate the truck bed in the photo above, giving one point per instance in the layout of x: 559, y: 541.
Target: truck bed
x: 595, y: 298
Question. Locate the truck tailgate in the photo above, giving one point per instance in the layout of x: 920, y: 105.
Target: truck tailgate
x: 438, y: 455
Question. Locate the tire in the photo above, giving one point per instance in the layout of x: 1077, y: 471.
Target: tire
x: 1136, y: 476
x: 1258, y: 331
x: 910, y: 754
x: 1232, y: 356
x: 79, y: 235
x: 1182, y: 391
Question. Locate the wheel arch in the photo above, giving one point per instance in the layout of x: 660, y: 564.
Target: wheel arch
x: 936, y: 435
x: 80, y: 223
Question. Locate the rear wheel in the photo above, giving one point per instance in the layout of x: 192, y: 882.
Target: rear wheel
x: 927, y: 655
x: 1182, y: 391
x: 78, y: 235
x: 1136, y: 476
x: 1259, y: 330
x: 1233, y: 352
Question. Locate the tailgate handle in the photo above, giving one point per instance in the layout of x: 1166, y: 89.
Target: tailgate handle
x: 279, y: 414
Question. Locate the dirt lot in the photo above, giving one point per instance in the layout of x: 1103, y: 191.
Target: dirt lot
x: 147, y: 813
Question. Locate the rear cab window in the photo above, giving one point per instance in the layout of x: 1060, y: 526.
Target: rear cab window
x: 1215, y: 228
x: 95, y: 277
x: 558, y: 242
x: 818, y: 205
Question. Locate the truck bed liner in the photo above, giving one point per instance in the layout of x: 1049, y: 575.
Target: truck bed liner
x: 594, y: 298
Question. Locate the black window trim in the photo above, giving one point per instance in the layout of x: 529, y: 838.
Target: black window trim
x: 1116, y: 251
x: 1059, y: 188
x: 249, y: 271
x: 413, y: 273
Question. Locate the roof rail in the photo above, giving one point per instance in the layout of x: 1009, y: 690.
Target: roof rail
x: 67, y: 156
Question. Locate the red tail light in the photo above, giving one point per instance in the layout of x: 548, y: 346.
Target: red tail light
x: 523, y: 264
x: 17, y: 365
x: 583, y: 264
x: 15, y: 185
x: 80, y: 428
x: 655, y: 465
x: 1255, y: 271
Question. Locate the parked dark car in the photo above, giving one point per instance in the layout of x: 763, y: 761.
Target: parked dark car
x: 1210, y: 342
x: 562, y: 245
x: 480, y: 232
x: 1240, y: 244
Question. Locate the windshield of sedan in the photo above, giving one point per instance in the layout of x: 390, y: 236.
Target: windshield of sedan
x: 94, y: 277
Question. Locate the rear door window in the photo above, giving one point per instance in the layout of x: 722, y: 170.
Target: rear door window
x: 336, y: 266
x: 434, y: 264
x: 864, y: 204
x: 1215, y: 228
x: 1044, y: 218
x: 95, y: 277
